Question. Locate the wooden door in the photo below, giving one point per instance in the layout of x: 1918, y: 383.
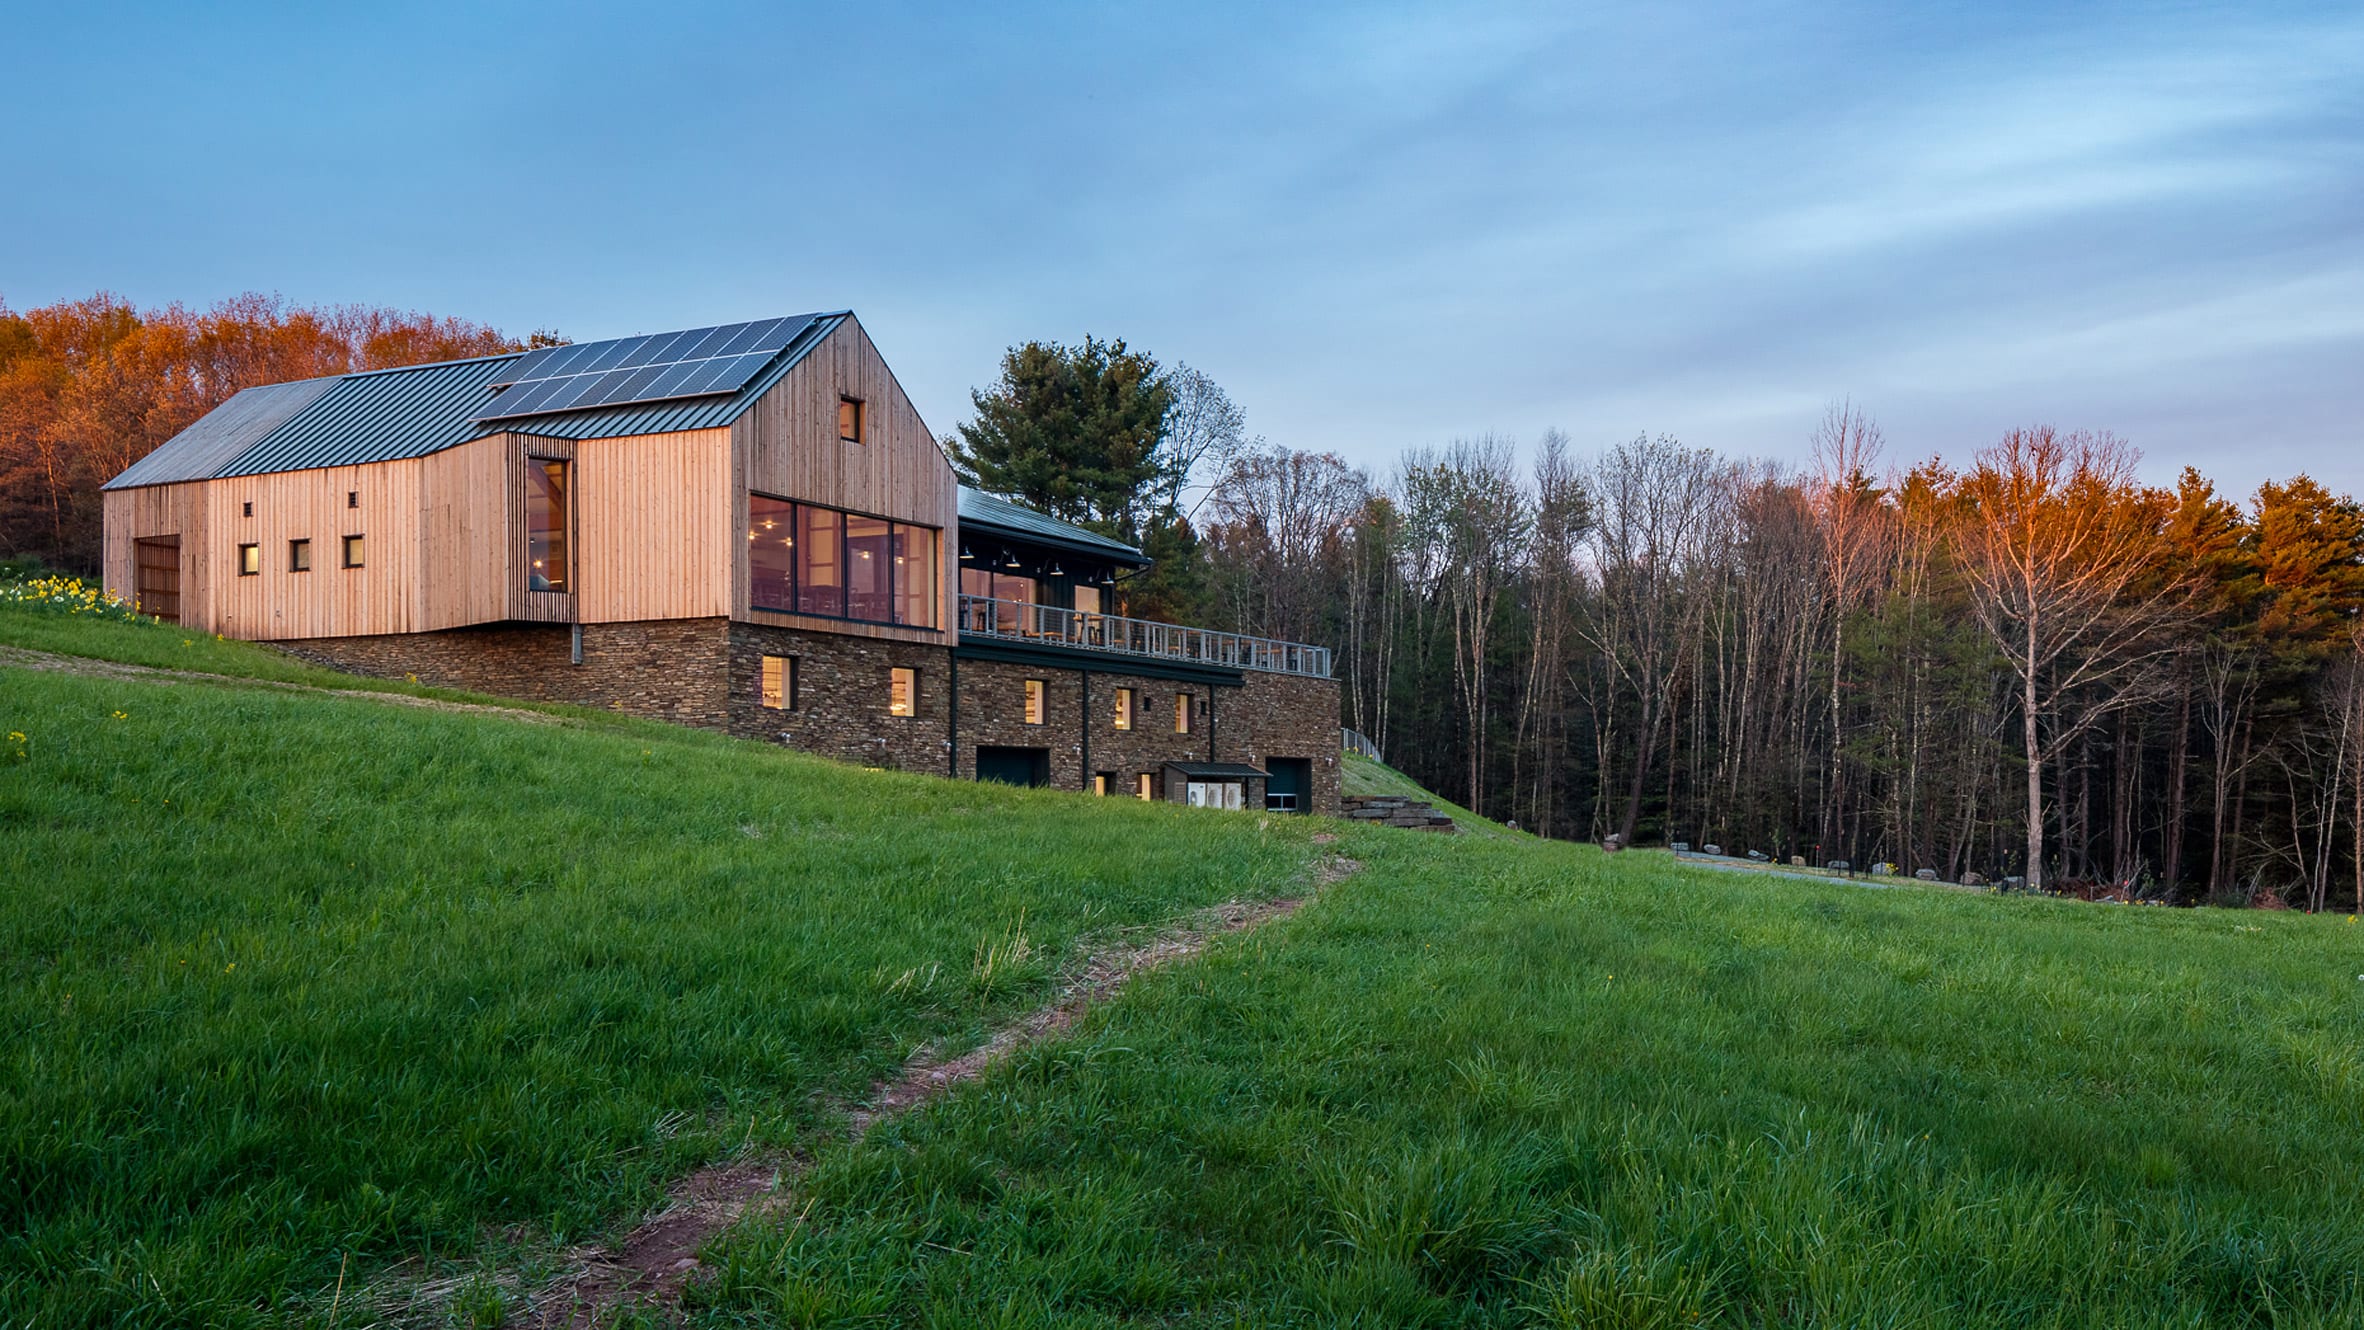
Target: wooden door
x: 159, y: 580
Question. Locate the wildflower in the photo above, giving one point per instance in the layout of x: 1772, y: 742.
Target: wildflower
x: 122, y: 716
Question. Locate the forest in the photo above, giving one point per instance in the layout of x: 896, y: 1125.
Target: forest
x: 2025, y: 663
x: 1846, y: 660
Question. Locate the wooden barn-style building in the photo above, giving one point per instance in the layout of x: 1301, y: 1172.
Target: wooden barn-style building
x: 746, y: 527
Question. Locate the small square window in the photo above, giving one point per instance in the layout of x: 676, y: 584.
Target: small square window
x: 902, y: 692
x: 1181, y: 713
x: 299, y: 556
x: 353, y: 551
x: 352, y: 498
x: 1124, y: 708
x: 849, y: 419
x: 250, y: 560
x: 1148, y: 785
x: 1034, y: 701
x: 779, y: 683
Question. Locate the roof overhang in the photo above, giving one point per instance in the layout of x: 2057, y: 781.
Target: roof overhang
x: 1104, y: 662
x: 1219, y: 770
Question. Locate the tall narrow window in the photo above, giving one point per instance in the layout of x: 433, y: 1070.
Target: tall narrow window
x: 902, y: 692
x: 1148, y: 786
x: 849, y: 419
x: 1101, y: 782
x: 1034, y: 701
x: 299, y: 556
x: 250, y: 560
x: 869, y: 565
x: 352, y: 498
x: 546, y: 495
x: 1181, y: 713
x: 771, y: 553
x: 1124, y: 708
x: 353, y: 551
x: 915, y: 576
x: 779, y: 682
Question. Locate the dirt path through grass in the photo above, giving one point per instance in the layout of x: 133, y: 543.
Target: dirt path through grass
x: 658, y: 1258
x: 24, y: 658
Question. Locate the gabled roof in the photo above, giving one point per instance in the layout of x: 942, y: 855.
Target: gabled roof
x: 384, y: 415
x: 982, y: 512
x: 203, y: 449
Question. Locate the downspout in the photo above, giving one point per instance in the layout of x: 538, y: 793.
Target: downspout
x: 1212, y: 689
x: 952, y: 703
x: 1083, y: 726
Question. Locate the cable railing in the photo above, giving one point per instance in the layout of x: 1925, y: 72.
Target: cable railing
x: 1047, y: 625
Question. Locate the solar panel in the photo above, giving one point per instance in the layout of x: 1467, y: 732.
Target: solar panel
x: 702, y: 362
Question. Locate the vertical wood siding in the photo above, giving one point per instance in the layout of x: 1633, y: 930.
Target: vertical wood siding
x: 787, y: 444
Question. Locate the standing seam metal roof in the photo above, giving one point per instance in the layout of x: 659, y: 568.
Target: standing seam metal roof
x: 224, y: 434
x: 386, y: 415
x: 985, y: 512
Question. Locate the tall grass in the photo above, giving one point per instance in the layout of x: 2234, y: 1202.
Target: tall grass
x: 292, y: 983
x: 1503, y: 1083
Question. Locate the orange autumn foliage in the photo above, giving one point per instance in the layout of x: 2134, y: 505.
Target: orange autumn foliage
x: 87, y: 387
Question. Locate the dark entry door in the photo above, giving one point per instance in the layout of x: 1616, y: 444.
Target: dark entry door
x: 1291, y: 788
x: 158, y: 582
x: 1014, y: 766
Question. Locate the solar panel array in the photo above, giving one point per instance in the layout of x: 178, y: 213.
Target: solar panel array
x: 701, y: 362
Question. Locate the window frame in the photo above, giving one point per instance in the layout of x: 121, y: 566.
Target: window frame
x: 250, y: 559
x: 1125, y: 705
x: 897, y: 531
x: 860, y: 434
x: 1037, y: 701
x: 1185, y: 713
x: 783, y: 687
x: 353, y: 550
x: 907, y: 678
x: 299, y: 554
x: 561, y: 531
x: 1148, y: 787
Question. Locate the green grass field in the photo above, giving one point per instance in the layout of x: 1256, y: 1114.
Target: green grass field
x: 297, y: 984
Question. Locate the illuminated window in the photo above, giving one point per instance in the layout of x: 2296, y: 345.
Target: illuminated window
x: 353, y: 551
x: 545, y: 524
x: 1181, y: 713
x: 299, y: 556
x: 869, y: 591
x: 915, y: 575
x: 1034, y: 689
x: 250, y: 560
x: 1124, y: 710
x: 771, y: 553
x: 1148, y: 786
x: 902, y: 692
x: 820, y: 561
x: 849, y: 419
x: 779, y: 682
x: 1102, y: 782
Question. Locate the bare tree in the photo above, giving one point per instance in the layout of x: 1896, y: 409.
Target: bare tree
x: 2060, y: 551
x: 1855, y: 528
x: 1467, y: 507
x: 1655, y: 501
x: 1204, y: 432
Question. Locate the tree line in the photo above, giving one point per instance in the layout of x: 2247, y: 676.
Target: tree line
x: 2036, y: 666
x: 87, y: 387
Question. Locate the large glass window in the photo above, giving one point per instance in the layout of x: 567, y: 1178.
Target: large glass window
x: 771, y: 553
x: 915, y: 576
x: 820, y: 561
x: 869, y: 577
x: 545, y: 524
x: 805, y: 559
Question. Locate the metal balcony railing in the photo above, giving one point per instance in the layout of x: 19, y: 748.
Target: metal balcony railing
x: 1045, y: 625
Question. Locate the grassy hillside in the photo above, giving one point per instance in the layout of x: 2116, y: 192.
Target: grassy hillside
x: 292, y: 977
x: 1359, y: 775
x: 1500, y: 1083
x: 299, y: 985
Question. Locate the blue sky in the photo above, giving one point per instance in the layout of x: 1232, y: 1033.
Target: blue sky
x: 1378, y: 227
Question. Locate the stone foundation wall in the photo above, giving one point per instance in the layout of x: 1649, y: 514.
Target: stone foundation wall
x: 839, y: 707
x: 709, y: 673
x: 663, y: 669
